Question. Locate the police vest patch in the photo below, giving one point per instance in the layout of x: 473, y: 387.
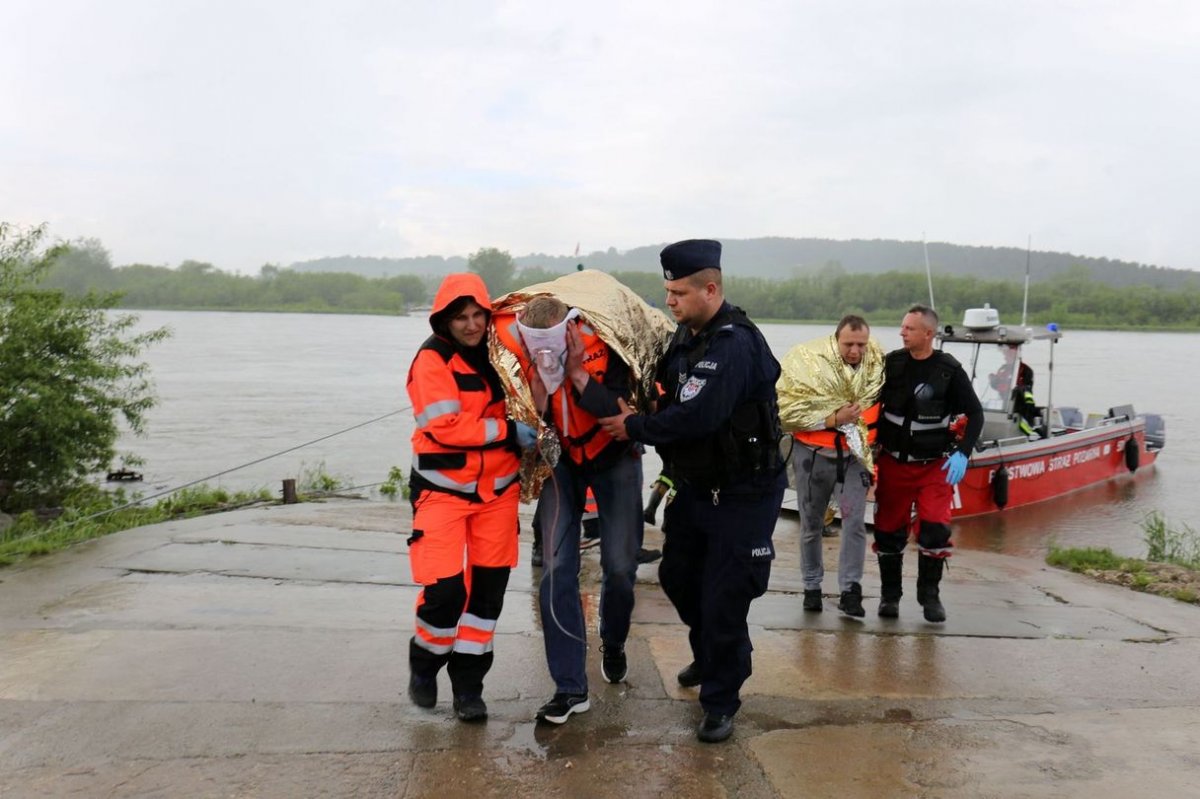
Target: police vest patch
x: 707, y: 366
x: 691, y: 388
x: 760, y: 552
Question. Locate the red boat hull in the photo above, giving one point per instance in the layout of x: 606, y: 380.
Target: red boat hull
x: 1042, y: 470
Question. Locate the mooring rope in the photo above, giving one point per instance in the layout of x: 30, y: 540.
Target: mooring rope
x: 254, y: 462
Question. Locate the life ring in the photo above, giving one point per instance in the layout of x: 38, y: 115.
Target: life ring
x: 1000, y: 487
x: 1132, y: 454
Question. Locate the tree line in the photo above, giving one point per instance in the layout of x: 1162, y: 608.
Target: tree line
x: 85, y: 266
x: 1072, y: 298
x: 780, y: 258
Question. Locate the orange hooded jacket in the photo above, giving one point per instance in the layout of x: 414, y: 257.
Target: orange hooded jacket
x: 462, y: 441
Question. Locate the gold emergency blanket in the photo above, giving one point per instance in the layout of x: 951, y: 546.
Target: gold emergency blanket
x: 815, y: 382
x: 637, y: 333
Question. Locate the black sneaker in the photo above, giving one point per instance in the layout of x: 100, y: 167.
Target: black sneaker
x: 536, y: 559
x: 613, y: 664
x: 689, y: 676
x: 851, y: 602
x: 560, y: 708
x: 470, y: 708
x: 889, y: 608
x: 812, y: 599
x: 648, y: 555
x: 422, y: 692
x: 715, y: 728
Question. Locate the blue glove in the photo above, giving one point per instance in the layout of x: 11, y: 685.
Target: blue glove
x: 526, y: 435
x: 955, y: 467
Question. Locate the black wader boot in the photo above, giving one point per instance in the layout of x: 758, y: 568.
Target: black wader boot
x: 929, y: 574
x: 423, y: 668
x: 890, y: 567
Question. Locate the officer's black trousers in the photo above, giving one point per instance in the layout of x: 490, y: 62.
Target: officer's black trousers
x: 716, y: 559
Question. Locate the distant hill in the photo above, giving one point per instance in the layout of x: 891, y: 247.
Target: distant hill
x: 785, y: 257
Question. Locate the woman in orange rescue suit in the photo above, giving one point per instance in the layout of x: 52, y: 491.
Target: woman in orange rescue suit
x: 464, y: 497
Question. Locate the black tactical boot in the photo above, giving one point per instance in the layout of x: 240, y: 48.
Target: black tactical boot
x: 929, y: 574
x: 891, y: 587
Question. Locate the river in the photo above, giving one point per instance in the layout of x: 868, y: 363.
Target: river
x: 236, y: 387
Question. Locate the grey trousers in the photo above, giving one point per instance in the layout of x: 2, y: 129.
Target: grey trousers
x: 816, y: 482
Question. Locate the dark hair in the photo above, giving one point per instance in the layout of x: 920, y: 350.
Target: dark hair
x: 852, y: 321
x: 929, y: 314
x: 440, y: 321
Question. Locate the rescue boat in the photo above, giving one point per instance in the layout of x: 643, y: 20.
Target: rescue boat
x: 1030, y: 453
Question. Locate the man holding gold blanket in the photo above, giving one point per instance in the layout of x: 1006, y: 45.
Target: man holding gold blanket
x: 828, y: 393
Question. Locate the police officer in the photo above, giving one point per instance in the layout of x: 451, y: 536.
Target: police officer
x: 919, y: 461
x: 716, y: 427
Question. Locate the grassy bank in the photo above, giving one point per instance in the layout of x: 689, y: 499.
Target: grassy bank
x: 91, y: 513
x: 1171, y: 567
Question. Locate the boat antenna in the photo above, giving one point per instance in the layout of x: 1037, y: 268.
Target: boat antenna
x: 928, y: 274
x: 1025, y: 302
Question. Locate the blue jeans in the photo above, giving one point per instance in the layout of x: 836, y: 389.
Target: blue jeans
x: 618, y: 491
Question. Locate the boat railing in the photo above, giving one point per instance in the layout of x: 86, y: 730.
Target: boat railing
x: 993, y: 443
x: 1095, y: 420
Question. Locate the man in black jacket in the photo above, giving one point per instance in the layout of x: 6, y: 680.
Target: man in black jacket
x: 919, y: 461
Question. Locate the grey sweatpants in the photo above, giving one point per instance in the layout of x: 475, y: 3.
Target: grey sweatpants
x: 816, y: 481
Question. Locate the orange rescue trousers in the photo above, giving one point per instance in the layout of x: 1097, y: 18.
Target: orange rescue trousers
x: 461, y: 553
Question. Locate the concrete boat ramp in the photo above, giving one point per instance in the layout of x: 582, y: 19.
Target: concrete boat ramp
x: 262, y: 653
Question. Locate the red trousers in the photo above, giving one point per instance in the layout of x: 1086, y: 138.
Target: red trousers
x: 900, y: 487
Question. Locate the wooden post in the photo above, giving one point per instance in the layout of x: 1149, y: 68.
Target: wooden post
x: 289, y: 492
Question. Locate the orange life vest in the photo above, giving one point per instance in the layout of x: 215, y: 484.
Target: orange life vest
x: 828, y: 439
x: 461, y: 427
x: 581, y: 435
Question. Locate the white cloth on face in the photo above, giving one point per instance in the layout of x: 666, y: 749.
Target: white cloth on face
x: 548, y: 349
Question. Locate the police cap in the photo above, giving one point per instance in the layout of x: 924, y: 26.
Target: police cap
x: 684, y: 258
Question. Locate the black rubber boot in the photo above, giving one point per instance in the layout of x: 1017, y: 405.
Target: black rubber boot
x: 891, y: 586
x: 929, y: 574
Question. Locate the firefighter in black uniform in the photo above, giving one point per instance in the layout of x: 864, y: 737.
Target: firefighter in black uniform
x: 716, y: 427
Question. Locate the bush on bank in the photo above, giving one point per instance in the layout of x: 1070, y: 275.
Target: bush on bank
x: 69, y: 373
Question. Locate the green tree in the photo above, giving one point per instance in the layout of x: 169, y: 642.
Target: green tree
x: 81, y: 267
x: 68, y: 374
x: 496, y: 267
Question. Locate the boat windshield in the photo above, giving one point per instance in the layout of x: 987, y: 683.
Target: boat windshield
x: 990, y: 367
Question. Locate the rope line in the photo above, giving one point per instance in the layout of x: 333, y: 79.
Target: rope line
x: 140, y: 500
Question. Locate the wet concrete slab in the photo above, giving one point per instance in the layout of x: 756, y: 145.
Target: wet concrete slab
x: 272, y: 562
x: 968, y: 617
x: 1110, y: 754
x: 264, y: 653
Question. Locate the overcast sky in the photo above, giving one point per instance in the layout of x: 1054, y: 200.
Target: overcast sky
x: 244, y: 133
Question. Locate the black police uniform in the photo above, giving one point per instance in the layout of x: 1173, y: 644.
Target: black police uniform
x: 718, y: 385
